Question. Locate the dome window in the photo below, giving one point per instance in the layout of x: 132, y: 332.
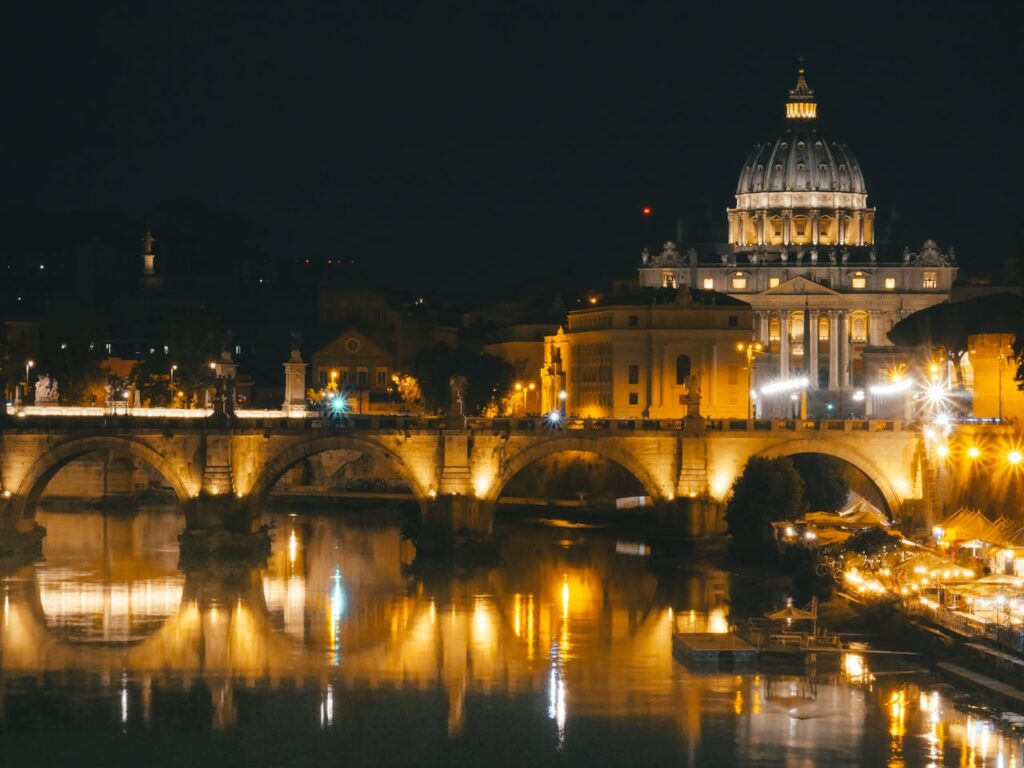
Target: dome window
x: 778, y: 166
x: 800, y: 145
x: 784, y: 145
x: 801, y: 167
x: 818, y: 145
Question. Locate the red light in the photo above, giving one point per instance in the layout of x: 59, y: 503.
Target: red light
x: 647, y: 210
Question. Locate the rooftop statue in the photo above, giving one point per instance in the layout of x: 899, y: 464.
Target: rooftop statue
x: 669, y: 256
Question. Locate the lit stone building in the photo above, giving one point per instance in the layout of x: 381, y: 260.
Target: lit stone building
x: 652, y: 354
x: 802, y: 253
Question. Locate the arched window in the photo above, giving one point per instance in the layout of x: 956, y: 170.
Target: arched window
x: 682, y: 369
x: 774, y: 329
x: 858, y: 326
x: 796, y: 326
x: 823, y: 328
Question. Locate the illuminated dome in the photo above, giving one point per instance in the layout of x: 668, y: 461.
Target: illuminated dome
x: 803, y: 188
x: 802, y: 159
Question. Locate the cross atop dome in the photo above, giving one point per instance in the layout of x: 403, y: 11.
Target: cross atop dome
x: 801, y: 104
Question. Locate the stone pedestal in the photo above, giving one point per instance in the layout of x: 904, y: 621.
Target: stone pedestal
x: 295, y: 383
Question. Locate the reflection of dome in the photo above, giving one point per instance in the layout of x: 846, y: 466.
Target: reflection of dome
x: 802, y: 189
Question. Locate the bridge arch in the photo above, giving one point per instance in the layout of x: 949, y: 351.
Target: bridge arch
x: 292, y: 455
x: 603, y: 448
x: 845, y: 453
x: 51, y: 462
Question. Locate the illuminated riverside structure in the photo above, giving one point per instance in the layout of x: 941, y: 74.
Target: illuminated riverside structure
x: 802, y: 253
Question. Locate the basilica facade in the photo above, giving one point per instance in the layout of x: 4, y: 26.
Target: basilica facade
x: 801, y: 252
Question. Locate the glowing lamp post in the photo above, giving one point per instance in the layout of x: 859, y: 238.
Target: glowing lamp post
x: 29, y: 364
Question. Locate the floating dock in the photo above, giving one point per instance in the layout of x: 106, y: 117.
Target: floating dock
x: 712, y: 648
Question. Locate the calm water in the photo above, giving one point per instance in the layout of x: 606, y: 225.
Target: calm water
x: 346, y: 651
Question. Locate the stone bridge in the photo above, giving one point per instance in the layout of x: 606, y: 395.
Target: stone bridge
x: 455, y: 475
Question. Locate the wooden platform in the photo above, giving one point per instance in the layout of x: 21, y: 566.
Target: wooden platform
x: 710, y: 648
x: 998, y: 687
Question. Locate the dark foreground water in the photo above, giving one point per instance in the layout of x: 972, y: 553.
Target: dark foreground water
x: 346, y: 651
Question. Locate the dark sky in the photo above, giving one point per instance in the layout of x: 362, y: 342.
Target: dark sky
x: 504, y: 140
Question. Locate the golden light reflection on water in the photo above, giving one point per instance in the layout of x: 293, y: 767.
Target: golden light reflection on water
x: 581, y: 631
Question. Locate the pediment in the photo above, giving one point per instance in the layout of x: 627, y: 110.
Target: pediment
x: 799, y: 286
x: 353, y: 343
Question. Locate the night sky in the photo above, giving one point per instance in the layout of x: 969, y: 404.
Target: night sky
x: 452, y: 142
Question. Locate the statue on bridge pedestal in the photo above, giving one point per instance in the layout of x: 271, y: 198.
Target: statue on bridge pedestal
x: 46, y: 391
x: 456, y: 418
x: 692, y: 384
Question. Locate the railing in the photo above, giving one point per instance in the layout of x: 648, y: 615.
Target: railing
x: 532, y: 424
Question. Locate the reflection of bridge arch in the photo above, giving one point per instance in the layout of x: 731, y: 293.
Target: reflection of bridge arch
x: 603, y: 448
x: 851, y: 456
x: 289, y: 457
x: 51, y: 462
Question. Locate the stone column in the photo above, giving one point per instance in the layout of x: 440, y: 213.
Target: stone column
x: 784, y: 345
x: 833, y: 350
x: 786, y: 219
x: 840, y: 235
x: 763, y: 319
x: 760, y: 227
x: 814, y: 227
x: 811, y: 348
x: 875, y: 337
x: 845, y: 364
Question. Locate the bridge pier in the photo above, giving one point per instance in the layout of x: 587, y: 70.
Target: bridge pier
x: 220, y: 526
x: 456, y: 525
x: 692, y: 517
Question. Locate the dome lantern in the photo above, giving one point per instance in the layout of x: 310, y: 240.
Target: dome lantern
x: 801, y: 104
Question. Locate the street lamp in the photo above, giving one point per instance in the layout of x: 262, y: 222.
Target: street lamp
x: 173, y: 369
x: 28, y: 364
x: 752, y: 350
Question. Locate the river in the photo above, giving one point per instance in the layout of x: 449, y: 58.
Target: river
x: 344, y: 649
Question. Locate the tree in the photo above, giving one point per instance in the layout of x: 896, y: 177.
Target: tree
x: 825, y: 487
x: 946, y: 327
x: 485, y: 376
x: 196, y: 339
x: 766, y: 490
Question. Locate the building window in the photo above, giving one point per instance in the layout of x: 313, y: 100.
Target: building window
x: 668, y: 280
x: 739, y: 281
x: 683, y: 368
x: 382, y: 377
x: 890, y: 283
x: 774, y: 328
x: 709, y: 283
x: 634, y: 398
x: 823, y: 328
x: 363, y: 377
x: 634, y: 374
x: 859, y: 281
x: 773, y: 282
x: 734, y: 321
x: 634, y: 321
x: 733, y: 375
x: 931, y: 280
x: 796, y: 326
x: 859, y: 327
